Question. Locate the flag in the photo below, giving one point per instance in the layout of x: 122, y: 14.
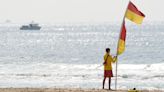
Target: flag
x: 133, y: 14
x: 121, y: 43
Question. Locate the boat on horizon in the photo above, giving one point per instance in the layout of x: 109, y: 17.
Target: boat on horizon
x: 31, y: 26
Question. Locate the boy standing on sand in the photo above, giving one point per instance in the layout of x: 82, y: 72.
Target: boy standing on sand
x: 108, y: 60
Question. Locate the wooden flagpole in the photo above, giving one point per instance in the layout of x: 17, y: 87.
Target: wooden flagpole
x: 118, y: 46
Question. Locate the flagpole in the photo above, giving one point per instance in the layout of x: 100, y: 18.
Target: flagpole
x: 117, y: 47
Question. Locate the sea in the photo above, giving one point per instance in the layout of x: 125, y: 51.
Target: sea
x: 71, y: 55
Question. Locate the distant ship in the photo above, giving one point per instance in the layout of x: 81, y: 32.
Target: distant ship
x: 31, y: 26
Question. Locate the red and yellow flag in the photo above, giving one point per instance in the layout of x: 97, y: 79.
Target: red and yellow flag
x: 133, y: 14
x: 121, y: 43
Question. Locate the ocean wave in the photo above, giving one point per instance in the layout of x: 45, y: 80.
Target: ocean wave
x: 82, y: 73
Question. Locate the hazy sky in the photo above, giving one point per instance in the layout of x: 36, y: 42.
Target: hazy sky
x: 76, y: 10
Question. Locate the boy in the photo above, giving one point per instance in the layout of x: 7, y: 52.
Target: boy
x: 108, y: 60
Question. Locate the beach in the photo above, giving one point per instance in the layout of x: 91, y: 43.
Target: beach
x: 61, y: 45
x: 66, y: 90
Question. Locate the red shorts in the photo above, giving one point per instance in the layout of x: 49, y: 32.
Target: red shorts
x: 108, y: 73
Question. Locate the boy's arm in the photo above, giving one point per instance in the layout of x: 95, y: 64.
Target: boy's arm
x: 114, y: 59
x: 104, y: 60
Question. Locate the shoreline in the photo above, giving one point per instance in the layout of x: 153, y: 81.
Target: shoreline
x: 67, y: 90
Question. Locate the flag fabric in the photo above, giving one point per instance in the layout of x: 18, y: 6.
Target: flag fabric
x: 121, y: 43
x: 133, y: 14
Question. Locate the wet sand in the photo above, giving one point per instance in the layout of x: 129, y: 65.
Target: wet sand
x: 65, y: 90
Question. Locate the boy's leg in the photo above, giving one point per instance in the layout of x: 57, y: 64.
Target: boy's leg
x: 104, y: 82
x: 109, y: 83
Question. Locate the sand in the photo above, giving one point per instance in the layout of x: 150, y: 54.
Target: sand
x: 64, y: 90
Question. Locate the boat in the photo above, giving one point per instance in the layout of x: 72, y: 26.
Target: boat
x: 31, y: 26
